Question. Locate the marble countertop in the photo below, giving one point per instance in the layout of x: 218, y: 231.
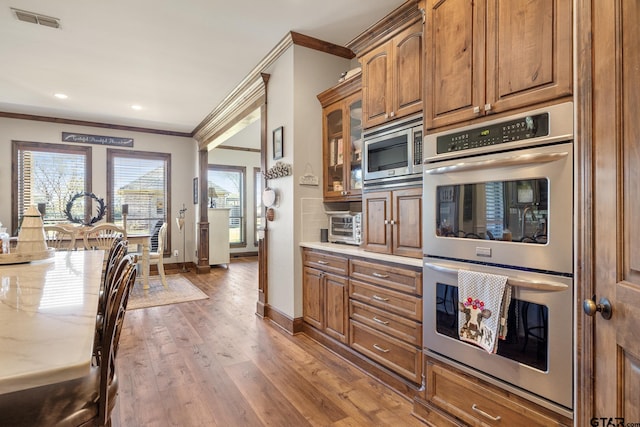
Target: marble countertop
x: 47, y: 319
x: 359, y: 252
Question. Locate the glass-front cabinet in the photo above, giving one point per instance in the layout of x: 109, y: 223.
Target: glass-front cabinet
x: 342, y: 141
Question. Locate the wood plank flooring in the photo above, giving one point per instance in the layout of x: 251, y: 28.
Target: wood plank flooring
x: 215, y: 363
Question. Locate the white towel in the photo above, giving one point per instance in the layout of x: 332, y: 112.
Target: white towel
x: 483, y: 300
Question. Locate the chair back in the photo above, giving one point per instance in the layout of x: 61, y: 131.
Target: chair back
x: 114, y: 317
x: 59, y: 238
x: 116, y: 253
x: 102, y: 236
x: 162, y: 238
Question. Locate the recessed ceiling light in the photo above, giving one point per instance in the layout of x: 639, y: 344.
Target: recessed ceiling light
x: 60, y: 96
x: 136, y: 107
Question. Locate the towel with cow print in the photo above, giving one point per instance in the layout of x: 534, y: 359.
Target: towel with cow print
x: 483, y: 300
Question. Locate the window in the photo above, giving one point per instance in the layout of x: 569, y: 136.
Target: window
x: 257, y: 213
x: 229, y: 185
x: 141, y: 182
x: 49, y: 175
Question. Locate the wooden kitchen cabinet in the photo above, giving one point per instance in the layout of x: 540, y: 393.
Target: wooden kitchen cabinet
x: 385, y: 312
x: 392, y: 222
x: 342, y: 141
x: 392, y: 77
x: 454, y: 398
x: 491, y: 56
x: 325, y: 294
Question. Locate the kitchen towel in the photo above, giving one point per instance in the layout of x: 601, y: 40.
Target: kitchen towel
x: 483, y: 300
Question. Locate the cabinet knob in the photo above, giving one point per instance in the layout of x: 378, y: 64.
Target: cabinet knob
x: 487, y: 107
x: 386, y: 115
x: 476, y: 110
x: 393, y: 114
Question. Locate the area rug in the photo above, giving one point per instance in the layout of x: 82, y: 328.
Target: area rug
x: 179, y: 290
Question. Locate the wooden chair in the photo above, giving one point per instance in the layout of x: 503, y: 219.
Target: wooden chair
x: 60, y: 238
x: 112, y: 272
x: 87, y: 401
x: 156, y: 257
x: 102, y: 236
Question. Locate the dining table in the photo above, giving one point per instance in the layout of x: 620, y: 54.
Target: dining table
x: 48, y: 313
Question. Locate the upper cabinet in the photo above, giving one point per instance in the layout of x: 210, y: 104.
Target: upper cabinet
x: 392, y: 77
x: 492, y: 56
x: 342, y: 141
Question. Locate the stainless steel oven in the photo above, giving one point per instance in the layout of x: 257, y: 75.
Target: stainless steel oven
x: 498, y: 199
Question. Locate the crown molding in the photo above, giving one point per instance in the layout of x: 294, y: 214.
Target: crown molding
x: 398, y: 19
x: 250, y: 92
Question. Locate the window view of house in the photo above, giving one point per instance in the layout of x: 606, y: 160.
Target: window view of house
x: 48, y: 176
x: 229, y: 185
x: 139, y: 185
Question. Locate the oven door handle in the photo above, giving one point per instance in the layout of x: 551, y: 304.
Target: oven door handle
x: 513, y: 281
x: 523, y: 159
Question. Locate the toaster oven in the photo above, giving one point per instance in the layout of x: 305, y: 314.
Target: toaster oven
x: 345, y: 227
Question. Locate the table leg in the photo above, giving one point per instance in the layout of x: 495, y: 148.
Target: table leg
x: 145, y: 265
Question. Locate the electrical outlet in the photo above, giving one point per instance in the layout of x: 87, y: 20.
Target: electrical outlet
x: 175, y: 253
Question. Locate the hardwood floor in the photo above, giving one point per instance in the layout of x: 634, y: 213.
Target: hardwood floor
x: 213, y: 362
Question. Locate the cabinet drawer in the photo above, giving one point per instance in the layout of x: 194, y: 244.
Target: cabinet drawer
x: 478, y: 403
x: 398, y: 278
x: 395, y: 302
x: 399, y: 327
x: 326, y: 262
x: 400, y: 357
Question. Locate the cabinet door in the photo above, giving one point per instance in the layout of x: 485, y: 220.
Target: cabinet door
x: 334, y: 182
x: 529, y: 54
x: 376, y: 85
x: 454, y: 50
x: 312, y: 297
x: 407, y: 218
x: 353, y: 147
x: 336, y: 309
x: 407, y: 72
x: 376, y: 212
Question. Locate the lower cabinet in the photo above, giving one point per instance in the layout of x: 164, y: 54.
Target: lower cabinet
x: 454, y: 398
x: 374, y: 308
x: 325, y: 294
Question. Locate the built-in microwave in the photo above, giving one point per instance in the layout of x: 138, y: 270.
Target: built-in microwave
x: 393, y: 153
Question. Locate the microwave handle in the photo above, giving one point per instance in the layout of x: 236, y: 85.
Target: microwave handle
x: 523, y: 159
x: 522, y: 283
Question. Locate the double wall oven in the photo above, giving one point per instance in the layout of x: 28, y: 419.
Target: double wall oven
x: 498, y: 199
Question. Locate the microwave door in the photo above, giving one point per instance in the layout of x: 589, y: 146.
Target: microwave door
x: 387, y: 156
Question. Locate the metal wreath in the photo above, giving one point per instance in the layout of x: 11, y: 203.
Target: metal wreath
x: 102, y: 208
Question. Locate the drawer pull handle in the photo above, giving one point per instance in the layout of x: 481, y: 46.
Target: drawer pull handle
x: 382, y: 322
x: 481, y: 412
x: 378, y: 298
x: 323, y: 262
x: 384, y: 350
x: 381, y: 276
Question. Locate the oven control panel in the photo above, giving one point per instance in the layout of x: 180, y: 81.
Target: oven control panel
x: 526, y: 127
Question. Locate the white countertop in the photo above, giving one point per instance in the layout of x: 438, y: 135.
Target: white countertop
x: 48, y: 318
x: 357, y: 251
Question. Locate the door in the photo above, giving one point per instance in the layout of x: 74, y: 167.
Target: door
x: 407, y: 224
x: 336, y: 309
x: 615, y: 252
x: 312, y: 297
x: 376, y: 213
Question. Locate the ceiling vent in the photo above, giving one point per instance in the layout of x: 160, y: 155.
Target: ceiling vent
x: 36, y: 18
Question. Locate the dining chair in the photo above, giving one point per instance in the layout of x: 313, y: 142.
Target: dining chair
x: 112, y: 271
x: 86, y: 401
x: 156, y: 257
x: 60, y: 238
x: 102, y: 236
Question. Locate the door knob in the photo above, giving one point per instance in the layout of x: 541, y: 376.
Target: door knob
x: 591, y: 308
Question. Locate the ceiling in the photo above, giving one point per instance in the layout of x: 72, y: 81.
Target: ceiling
x: 176, y: 60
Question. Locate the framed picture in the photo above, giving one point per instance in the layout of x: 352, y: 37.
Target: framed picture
x: 278, y: 142
x: 195, y: 191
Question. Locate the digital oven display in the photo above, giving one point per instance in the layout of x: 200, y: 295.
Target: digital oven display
x: 500, y: 133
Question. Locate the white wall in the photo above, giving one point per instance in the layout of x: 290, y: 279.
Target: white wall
x: 183, y: 160
x: 295, y: 80
x: 249, y: 136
